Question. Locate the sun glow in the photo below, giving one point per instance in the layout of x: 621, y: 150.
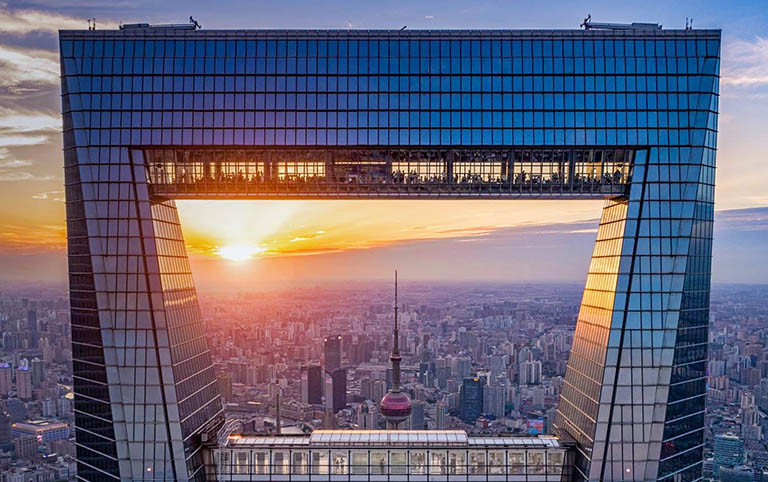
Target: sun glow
x: 239, y: 252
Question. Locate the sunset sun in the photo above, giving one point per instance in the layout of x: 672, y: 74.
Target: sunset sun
x: 239, y: 252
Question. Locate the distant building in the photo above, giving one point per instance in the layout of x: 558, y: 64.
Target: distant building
x: 6, y: 380
x: 471, y: 399
x: 5, y: 427
x: 417, y: 416
x: 530, y: 372
x: 25, y: 447
x: 729, y: 452
x: 441, y: 416
x: 312, y: 385
x: 24, y: 383
x: 494, y: 400
x: 332, y: 351
x: 37, y: 367
x: 368, y: 416
x: 224, y: 382
x: 339, y: 389
x: 736, y: 474
x: 43, y: 430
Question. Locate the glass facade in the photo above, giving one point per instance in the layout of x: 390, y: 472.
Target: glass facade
x: 394, y: 456
x: 151, y: 114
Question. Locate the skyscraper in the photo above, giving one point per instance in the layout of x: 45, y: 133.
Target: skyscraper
x: 441, y: 416
x: 530, y: 372
x: 332, y: 351
x: 417, y: 416
x: 395, y: 405
x: 729, y: 452
x: 494, y: 400
x: 338, y: 389
x: 312, y: 385
x: 6, y: 380
x: 24, y: 383
x: 472, y: 399
x: 624, y: 113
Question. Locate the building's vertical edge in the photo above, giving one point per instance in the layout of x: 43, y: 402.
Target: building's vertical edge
x: 94, y: 432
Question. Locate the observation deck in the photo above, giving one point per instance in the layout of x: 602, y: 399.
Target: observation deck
x: 387, y: 173
x: 392, y: 455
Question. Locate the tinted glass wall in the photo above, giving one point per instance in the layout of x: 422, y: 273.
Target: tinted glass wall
x: 633, y: 397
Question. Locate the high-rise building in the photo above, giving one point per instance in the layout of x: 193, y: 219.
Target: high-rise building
x: 24, y: 382
x: 6, y: 380
x: 5, y: 427
x: 25, y: 447
x: 339, y: 389
x: 224, y: 384
x: 625, y: 113
x: 31, y: 329
x: 418, y: 421
x: 368, y: 416
x: 332, y: 351
x: 312, y: 385
x: 530, y: 372
x: 472, y: 399
x: 728, y: 452
x: 37, y: 367
x: 441, y: 416
x: 494, y: 400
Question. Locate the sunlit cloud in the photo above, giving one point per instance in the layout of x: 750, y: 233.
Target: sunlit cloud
x: 25, y: 129
x: 745, y: 63
x: 14, y: 163
x: 32, y: 239
x: 23, y: 22
x: 25, y: 69
x: 56, y: 195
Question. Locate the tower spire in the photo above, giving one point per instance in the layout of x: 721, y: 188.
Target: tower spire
x: 395, y: 358
x: 396, y: 405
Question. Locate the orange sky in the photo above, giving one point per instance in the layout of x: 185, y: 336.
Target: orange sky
x: 273, y: 228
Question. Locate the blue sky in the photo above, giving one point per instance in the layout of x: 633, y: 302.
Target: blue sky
x: 31, y: 199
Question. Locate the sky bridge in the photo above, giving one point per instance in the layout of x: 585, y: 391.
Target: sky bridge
x: 387, y: 173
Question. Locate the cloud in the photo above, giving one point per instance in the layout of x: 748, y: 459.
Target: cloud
x: 9, y: 167
x: 745, y: 63
x: 25, y: 129
x: 13, y: 163
x: 11, y: 176
x: 25, y: 69
x: 50, y: 195
x: 23, y: 22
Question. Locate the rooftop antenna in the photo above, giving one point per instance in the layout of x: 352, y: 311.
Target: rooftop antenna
x: 404, y: 27
x: 586, y: 22
x: 194, y: 22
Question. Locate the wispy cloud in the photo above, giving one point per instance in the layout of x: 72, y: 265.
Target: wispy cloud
x: 10, y: 168
x: 745, y: 63
x: 24, y: 69
x: 56, y: 195
x: 23, y: 22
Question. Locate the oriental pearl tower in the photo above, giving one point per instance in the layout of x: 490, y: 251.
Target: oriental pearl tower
x: 396, y: 405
